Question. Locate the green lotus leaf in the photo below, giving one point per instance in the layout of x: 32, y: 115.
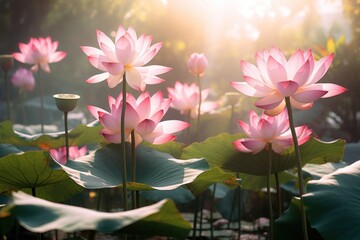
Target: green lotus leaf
x: 288, y: 225
x: 173, y: 148
x: 211, y: 176
x: 219, y: 151
x: 256, y: 183
x: 178, y: 195
x: 333, y: 203
x: 81, y: 135
x: 38, y: 215
x: 31, y: 171
x: 6, y: 149
x: 316, y: 171
x: 102, y: 168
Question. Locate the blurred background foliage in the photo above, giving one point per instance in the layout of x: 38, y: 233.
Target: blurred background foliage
x: 226, y: 31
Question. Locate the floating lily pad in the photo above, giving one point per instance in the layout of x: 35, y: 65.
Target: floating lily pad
x: 102, y: 168
x: 31, y: 170
x: 333, y: 203
x: 219, y: 151
x: 38, y: 215
x: 81, y: 135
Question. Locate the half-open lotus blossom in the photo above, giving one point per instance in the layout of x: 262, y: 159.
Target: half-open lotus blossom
x: 197, y: 64
x: 275, y: 78
x: 39, y: 51
x: 23, y: 79
x: 264, y: 130
x: 185, y: 98
x: 142, y: 115
x: 75, y: 152
x: 128, y: 53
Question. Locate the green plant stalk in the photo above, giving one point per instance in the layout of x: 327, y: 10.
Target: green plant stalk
x: 33, y: 193
x: 202, y: 202
x: 231, y: 118
x: 188, y: 119
x: 199, y: 111
x: 93, y: 232
x: 41, y: 102
x: 66, y: 135
x: 7, y: 95
x: 278, y: 194
x: 211, y: 212
x: 238, y: 193
x: 299, y: 168
x: 134, y: 194
x: 271, y: 217
x: 123, y: 147
x: 196, y: 209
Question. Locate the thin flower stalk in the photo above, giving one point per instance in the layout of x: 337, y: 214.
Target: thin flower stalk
x: 199, y: 111
x: 299, y: 168
x: 41, y: 94
x: 123, y: 146
x: 134, y: 194
x: 7, y: 95
x: 271, y: 216
x: 278, y: 194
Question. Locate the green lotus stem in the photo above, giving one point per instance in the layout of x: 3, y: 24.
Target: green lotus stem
x: 196, y: 208
x: 123, y: 146
x: 231, y: 118
x: 199, y: 111
x: 41, y: 102
x: 134, y: 194
x: 201, y: 213
x: 66, y: 134
x: 278, y: 194
x: 271, y: 217
x: 211, y: 212
x: 7, y: 95
x: 188, y: 119
x: 299, y: 168
x: 98, y: 201
x: 33, y: 193
x: 238, y: 193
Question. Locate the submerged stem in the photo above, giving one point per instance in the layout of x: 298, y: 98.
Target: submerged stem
x: 123, y: 146
x: 299, y: 167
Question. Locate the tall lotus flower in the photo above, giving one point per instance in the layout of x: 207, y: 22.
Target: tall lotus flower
x: 264, y: 130
x: 275, y: 78
x: 128, y: 53
x: 197, y: 64
x: 23, y: 79
x: 39, y: 51
x: 185, y: 98
x: 59, y: 155
x: 143, y: 115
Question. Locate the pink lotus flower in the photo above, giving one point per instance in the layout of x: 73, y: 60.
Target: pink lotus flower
x: 143, y: 115
x: 24, y: 80
x: 275, y: 78
x: 197, y: 64
x: 39, y: 51
x: 59, y: 155
x: 128, y: 53
x: 185, y: 98
x: 264, y: 130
